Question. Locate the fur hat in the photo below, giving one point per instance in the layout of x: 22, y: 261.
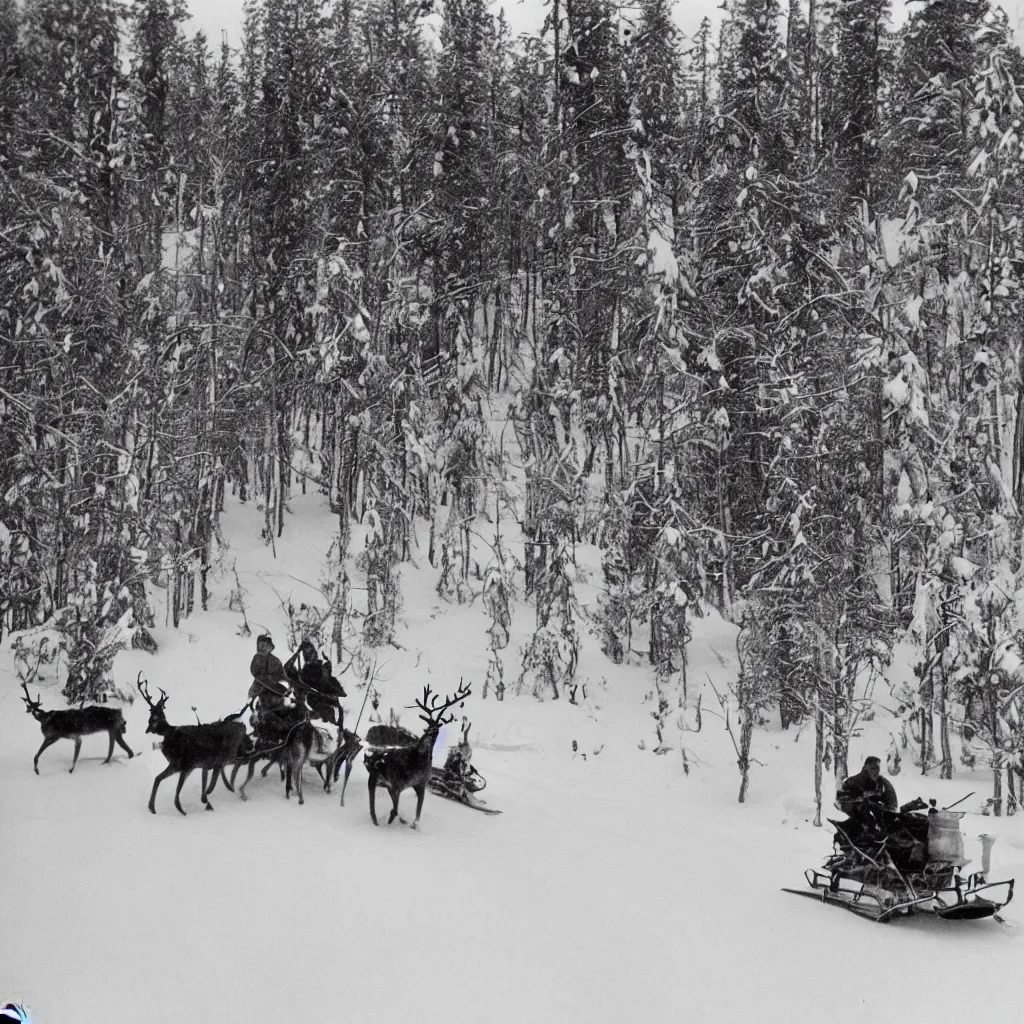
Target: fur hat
x: 265, y: 638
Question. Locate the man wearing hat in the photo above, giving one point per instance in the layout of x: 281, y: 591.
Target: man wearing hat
x: 268, y: 678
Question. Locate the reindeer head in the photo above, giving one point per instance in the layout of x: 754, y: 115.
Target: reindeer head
x: 157, y: 719
x: 433, y: 708
x: 33, y: 707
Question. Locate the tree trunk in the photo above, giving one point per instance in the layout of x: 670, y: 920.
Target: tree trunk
x: 840, y: 742
x: 946, y: 770
x: 746, y: 735
x: 819, y: 755
x: 997, y: 785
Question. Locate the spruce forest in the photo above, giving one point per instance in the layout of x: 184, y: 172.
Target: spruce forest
x: 747, y: 307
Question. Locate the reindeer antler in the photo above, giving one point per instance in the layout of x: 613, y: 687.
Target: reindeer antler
x: 143, y: 687
x: 435, y: 708
x: 33, y: 705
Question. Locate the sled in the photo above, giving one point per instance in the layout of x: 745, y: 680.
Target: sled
x: 881, y: 878
x: 463, y: 789
x: 960, y: 901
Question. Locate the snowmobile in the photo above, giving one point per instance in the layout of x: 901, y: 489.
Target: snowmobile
x: 892, y: 863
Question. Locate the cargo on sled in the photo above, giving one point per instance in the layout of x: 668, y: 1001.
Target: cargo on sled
x: 905, y: 862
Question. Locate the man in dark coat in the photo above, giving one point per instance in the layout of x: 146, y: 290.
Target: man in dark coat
x: 869, y: 800
x: 862, y: 794
x: 268, y: 678
x: 317, y: 686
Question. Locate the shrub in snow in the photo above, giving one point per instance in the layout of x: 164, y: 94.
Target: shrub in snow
x: 550, y: 655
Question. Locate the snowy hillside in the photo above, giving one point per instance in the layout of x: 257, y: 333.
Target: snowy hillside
x: 614, y: 887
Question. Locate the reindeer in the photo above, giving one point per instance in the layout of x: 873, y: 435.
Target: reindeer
x: 397, y: 759
x: 75, y: 723
x: 330, y: 751
x: 300, y: 741
x: 187, y: 747
x: 291, y: 753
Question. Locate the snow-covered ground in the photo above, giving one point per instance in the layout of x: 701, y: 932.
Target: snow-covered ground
x: 614, y: 887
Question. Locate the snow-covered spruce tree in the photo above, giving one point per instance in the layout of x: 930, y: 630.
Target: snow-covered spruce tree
x: 11, y: 71
x: 390, y: 156
x: 461, y: 242
x: 853, y: 96
x: 462, y: 458
x: 465, y: 267
x: 284, y: 89
x: 740, y: 333
x: 542, y: 414
x: 72, y: 316
x: 153, y: 506
x: 950, y: 469
x: 784, y: 377
x: 626, y: 277
x: 508, y: 198
x: 990, y: 690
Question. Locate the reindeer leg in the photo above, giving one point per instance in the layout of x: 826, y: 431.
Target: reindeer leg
x: 203, y: 790
x: 421, y: 790
x: 119, y: 739
x: 46, y: 743
x: 78, y: 747
x: 248, y: 779
x: 214, y: 773
x: 234, y: 775
x: 298, y: 782
x: 165, y: 774
x: 177, y: 793
x: 288, y: 783
x: 395, y: 793
x: 348, y: 772
x: 110, y: 752
x: 229, y: 786
x: 373, y: 797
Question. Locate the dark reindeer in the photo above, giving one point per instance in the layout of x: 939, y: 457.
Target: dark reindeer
x: 291, y: 754
x: 188, y: 747
x: 328, y: 759
x: 75, y: 723
x: 397, y: 759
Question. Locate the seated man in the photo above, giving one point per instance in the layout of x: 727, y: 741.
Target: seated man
x: 869, y: 800
x: 317, y: 687
x: 268, y: 687
x: 331, y: 692
x: 862, y: 795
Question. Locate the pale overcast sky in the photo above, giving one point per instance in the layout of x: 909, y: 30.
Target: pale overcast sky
x: 523, y: 15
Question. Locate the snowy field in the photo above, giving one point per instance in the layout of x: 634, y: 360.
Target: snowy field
x: 613, y: 887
